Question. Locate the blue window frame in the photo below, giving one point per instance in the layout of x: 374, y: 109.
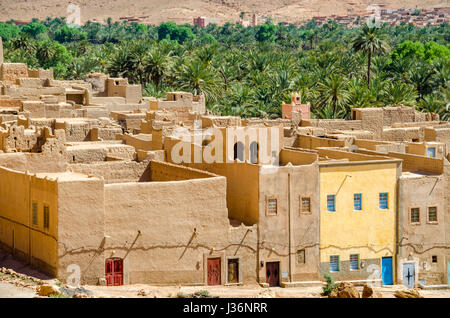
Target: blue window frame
x: 383, y: 204
x: 331, y: 198
x: 357, y: 201
x: 354, y: 262
x: 334, y: 263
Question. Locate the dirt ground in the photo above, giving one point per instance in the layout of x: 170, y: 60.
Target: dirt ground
x: 9, y: 288
x: 132, y: 291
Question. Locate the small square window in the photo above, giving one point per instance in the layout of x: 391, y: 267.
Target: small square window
x: 434, y: 259
x: 272, y: 206
x: 305, y: 205
x: 331, y: 203
x: 432, y: 214
x: 334, y: 263
x: 354, y: 262
x: 383, y: 201
x: 357, y: 201
x: 415, y: 215
x: 301, y: 257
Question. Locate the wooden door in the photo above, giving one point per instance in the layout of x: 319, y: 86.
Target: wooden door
x: 114, y: 272
x: 233, y: 271
x: 213, y: 271
x: 273, y: 273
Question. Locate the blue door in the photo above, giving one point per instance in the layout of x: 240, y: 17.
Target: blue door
x: 386, y: 270
x: 448, y: 269
x: 409, y: 275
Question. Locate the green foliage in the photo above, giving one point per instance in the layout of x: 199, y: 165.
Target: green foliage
x: 419, y: 51
x: 34, y: 29
x: 330, y: 285
x: 69, y: 34
x: 8, y: 31
x: 172, y: 31
x: 266, y: 33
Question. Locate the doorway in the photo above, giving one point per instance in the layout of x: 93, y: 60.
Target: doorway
x: 273, y: 273
x: 114, y: 271
x: 409, y: 275
x: 214, y: 273
x: 448, y: 272
x: 233, y: 271
x: 386, y: 270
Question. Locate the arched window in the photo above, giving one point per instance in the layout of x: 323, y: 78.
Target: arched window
x: 254, y: 147
x: 238, y: 151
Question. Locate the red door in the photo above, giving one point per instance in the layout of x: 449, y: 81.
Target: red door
x: 273, y: 273
x: 213, y: 273
x: 114, y: 272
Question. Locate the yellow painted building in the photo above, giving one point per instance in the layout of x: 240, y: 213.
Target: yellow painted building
x: 358, y: 204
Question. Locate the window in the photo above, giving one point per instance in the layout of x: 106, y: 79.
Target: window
x: 301, y: 257
x: 432, y: 214
x: 383, y: 203
x: 305, y: 205
x: 46, y: 217
x: 357, y: 201
x: 238, y: 151
x: 272, y: 206
x: 254, y: 152
x: 431, y: 152
x: 354, y: 262
x: 35, y: 213
x: 331, y: 203
x: 434, y: 259
x: 334, y: 263
x: 415, y: 215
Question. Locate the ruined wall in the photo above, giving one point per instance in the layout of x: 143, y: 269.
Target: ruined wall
x: 97, y: 152
x: 115, y: 171
x: 10, y: 72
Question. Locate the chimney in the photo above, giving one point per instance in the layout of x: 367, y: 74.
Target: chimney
x: 254, y: 20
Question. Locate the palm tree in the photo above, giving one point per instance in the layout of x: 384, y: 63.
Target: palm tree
x: 370, y: 41
x: 396, y: 93
x: 332, y: 92
x: 196, y: 78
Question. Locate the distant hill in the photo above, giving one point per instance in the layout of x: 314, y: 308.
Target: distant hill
x: 183, y: 11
